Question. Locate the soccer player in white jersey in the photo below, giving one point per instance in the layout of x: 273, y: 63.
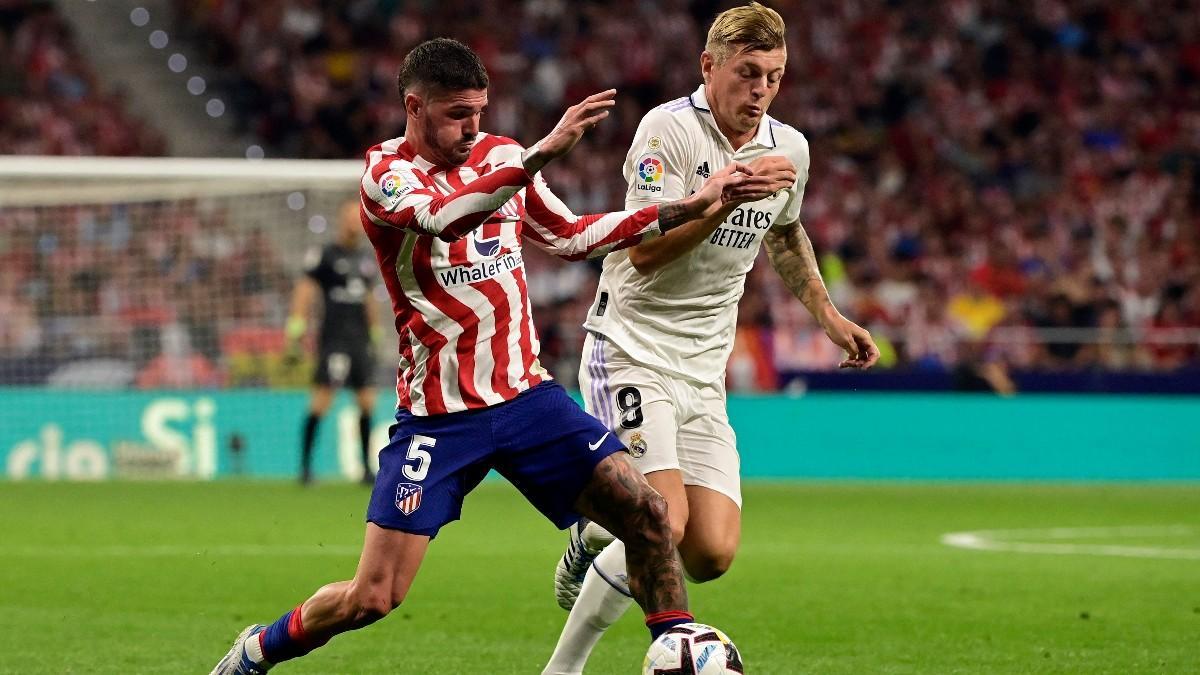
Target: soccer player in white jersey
x: 448, y: 209
x: 662, y: 324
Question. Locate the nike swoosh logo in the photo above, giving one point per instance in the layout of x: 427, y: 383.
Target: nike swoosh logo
x: 593, y: 446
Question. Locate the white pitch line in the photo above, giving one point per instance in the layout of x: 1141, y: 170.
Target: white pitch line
x: 177, y: 551
x: 1006, y: 540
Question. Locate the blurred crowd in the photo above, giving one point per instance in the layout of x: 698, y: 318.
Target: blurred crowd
x: 992, y: 182
x: 999, y: 186
x: 50, y: 99
x: 152, y: 295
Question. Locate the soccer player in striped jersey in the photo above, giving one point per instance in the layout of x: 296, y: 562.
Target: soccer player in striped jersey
x: 661, y: 328
x: 448, y: 208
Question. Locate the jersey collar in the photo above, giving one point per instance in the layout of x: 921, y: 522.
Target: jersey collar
x: 405, y: 149
x: 764, y: 138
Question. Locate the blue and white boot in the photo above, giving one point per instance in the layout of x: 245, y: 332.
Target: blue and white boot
x: 587, y: 541
x: 237, y: 660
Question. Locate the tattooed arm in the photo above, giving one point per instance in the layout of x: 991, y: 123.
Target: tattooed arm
x: 792, y: 256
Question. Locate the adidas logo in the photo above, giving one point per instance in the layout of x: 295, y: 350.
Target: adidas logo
x: 703, y: 171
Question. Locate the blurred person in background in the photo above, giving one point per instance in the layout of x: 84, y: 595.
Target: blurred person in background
x: 339, y: 278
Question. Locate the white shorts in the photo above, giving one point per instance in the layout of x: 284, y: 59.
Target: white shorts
x: 665, y: 421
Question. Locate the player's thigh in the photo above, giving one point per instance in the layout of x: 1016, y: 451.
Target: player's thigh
x: 320, y: 399
x: 713, y: 531
x: 426, y: 470
x: 632, y: 400
x: 669, y: 484
x: 615, y: 388
x: 365, y: 398
x: 711, y: 471
x: 389, y: 561
x: 706, y: 444
x: 549, y: 448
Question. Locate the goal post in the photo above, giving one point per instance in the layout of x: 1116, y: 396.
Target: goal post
x: 142, y: 305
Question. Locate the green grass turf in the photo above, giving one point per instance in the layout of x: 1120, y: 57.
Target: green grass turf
x: 831, y: 578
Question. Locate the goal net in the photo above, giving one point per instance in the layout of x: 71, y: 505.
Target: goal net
x: 142, y: 305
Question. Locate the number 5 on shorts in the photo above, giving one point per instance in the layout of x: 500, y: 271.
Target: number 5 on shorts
x: 417, y: 473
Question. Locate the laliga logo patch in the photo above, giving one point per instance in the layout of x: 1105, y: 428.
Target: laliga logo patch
x: 393, y: 185
x: 650, y: 174
x: 637, y: 445
x: 408, y: 497
x: 650, y: 170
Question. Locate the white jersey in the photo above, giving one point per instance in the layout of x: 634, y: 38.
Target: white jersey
x: 681, y: 317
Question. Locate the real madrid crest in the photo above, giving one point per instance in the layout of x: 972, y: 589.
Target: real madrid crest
x: 637, y: 444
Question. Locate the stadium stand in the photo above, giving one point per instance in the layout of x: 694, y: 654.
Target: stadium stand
x: 983, y: 191
x: 50, y: 102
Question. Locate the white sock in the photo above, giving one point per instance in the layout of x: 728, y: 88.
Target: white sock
x: 599, y: 606
x: 254, y: 649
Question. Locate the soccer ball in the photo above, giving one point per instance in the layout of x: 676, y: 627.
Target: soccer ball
x: 692, y: 649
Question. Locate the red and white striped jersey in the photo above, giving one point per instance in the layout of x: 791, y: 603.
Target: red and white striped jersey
x: 448, y: 241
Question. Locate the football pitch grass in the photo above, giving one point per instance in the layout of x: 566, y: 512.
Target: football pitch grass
x: 832, y: 578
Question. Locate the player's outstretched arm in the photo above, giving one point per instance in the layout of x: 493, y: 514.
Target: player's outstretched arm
x: 551, y: 226
x: 792, y: 256
x: 579, y: 118
x: 393, y: 195
x: 768, y: 175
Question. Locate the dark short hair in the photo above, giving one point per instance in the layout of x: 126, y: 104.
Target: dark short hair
x: 443, y: 63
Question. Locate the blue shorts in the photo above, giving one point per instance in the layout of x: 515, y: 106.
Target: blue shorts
x: 541, y: 441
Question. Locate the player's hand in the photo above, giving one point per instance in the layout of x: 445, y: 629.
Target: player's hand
x: 776, y: 167
x: 717, y: 190
x: 739, y: 183
x: 860, y: 348
x: 579, y: 118
x: 769, y: 175
x: 293, y: 332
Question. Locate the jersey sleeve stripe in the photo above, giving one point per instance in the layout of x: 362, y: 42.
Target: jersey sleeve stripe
x: 448, y: 217
x: 576, y: 237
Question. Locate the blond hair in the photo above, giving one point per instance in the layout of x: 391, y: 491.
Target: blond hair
x: 749, y: 28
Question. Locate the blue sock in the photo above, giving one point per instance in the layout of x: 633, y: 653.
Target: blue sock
x: 285, y: 639
x: 661, y: 622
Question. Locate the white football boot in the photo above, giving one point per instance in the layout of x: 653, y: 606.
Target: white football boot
x: 237, y: 661
x: 586, y: 541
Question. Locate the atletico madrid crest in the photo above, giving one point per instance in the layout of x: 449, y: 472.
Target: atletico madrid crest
x: 408, y: 497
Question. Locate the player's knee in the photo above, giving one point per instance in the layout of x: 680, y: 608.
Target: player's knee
x: 369, y: 605
x: 678, y: 527
x: 654, y: 524
x: 707, y: 565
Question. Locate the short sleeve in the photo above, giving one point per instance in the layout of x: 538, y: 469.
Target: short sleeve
x: 654, y: 166
x: 389, y: 190
x: 800, y: 158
